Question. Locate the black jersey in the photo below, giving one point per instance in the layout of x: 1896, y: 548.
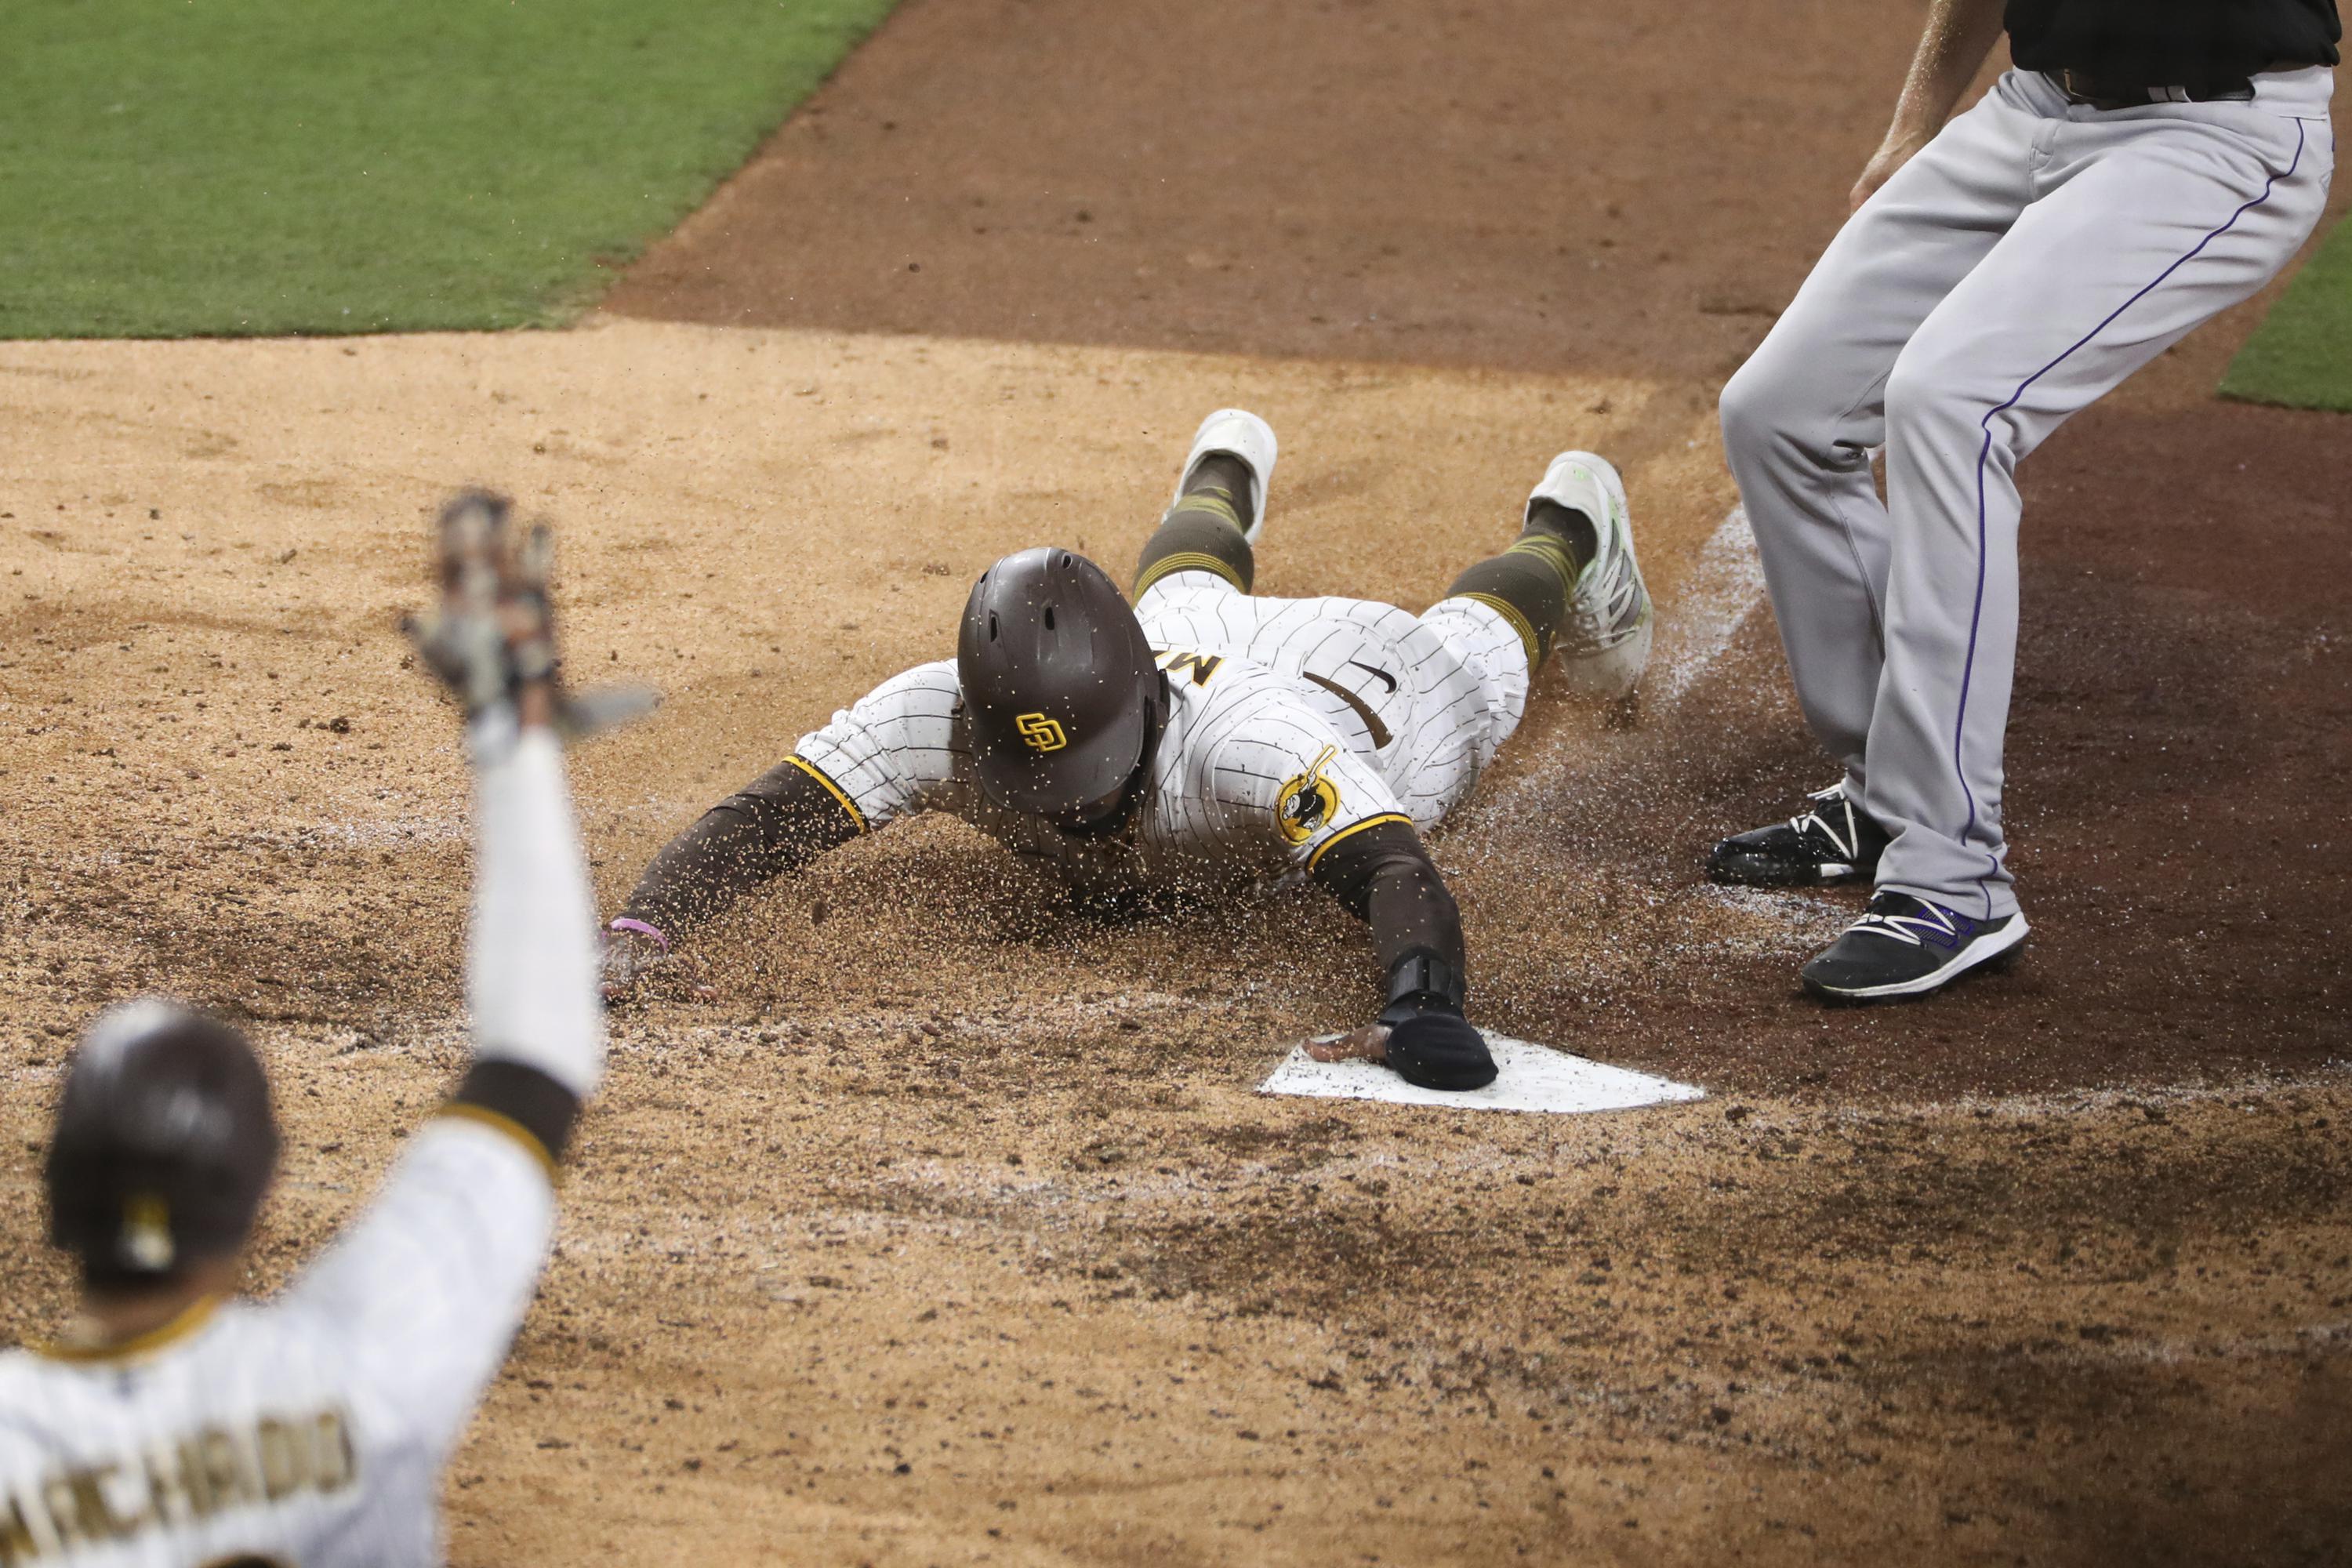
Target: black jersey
x: 2170, y: 43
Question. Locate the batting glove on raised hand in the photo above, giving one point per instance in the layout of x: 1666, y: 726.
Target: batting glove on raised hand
x: 494, y: 631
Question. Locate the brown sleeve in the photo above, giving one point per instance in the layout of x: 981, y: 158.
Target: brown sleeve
x: 785, y: 818
x: 1385, y: 877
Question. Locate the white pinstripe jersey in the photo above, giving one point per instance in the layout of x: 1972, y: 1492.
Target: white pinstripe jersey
x: 1295, y: 721
x: 311, y: 1429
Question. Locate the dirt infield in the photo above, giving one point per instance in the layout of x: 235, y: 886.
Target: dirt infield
x: 951, y: 1229
x: 1502, y: 182
x: 1386, y: 181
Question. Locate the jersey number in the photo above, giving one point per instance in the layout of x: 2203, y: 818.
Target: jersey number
x: 1203, y: 666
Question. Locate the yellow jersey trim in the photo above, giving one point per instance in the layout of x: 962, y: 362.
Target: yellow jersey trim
x: 498, y: 1122
x: 1183, y: 561
x: 830, y: 788
x: 197, y: 1314
x: 1351, y: 830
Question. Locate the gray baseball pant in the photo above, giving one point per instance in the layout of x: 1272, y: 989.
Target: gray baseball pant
x: 2023, y: 264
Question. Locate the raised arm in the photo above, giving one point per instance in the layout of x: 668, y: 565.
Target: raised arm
x: 1952, y: 48
x: 426, y: 1289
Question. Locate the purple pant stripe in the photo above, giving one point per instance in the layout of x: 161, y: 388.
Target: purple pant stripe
x: 1984, y: 454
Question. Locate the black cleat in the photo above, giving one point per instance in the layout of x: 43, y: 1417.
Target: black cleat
x: 1906, y: 947
x: 1833, y: 841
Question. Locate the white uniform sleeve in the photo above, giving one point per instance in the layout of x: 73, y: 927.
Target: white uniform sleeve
x: 889, y: 754
x: 428, y: 1287
x: 1280, y: 765
x: 531, y: 966
x: 425, y: 1290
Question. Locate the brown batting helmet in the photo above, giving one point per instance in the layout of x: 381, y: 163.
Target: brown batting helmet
x: 1063, y: 693
x: 164, y: 1146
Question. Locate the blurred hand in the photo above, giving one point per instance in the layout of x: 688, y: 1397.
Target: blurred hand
x: 628, y: 956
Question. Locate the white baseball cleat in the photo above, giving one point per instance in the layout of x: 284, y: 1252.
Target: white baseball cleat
x: 1244, y: 436
x: 1605, y: 644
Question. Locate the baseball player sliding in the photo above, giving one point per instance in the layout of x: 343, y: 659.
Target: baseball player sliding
x: 177, y: 1424
x: 2146, y: 165
x: 1205, y: 736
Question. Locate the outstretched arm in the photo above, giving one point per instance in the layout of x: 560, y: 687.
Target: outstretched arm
x: 1952, y: 48
x: 876, y: 761
x: 1384, y: 875
x: 428, y: 1287
x: 780, y: 821
x: 1342, y: 824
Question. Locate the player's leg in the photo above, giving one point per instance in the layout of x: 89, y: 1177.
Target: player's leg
x: 1801, y: 415
x: 1502, y: 615
x: 1203, y: 531
x: 1568, y: 583
x: 1498, y: 622
x: 2146, y: 225
x: 1220, y: 507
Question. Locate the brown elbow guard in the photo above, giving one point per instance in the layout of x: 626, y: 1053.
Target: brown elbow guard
x: 780, y: 821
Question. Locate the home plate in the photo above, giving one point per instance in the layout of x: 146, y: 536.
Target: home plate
x: 1527, y: 1078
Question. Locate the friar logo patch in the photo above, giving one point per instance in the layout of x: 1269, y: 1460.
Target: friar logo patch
x: 1308, y: 801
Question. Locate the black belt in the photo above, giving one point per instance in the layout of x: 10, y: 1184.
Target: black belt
x: 2080, y: 87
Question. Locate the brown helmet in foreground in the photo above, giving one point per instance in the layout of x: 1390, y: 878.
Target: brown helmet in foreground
x: 164, y: 1145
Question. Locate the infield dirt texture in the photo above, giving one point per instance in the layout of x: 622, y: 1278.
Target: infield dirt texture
x: 950, y: 1230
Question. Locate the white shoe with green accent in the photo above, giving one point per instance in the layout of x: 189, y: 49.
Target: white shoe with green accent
x: 1604, y: 643
x: 1246, y: 436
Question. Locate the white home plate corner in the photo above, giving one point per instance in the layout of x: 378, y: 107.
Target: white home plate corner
x: 1527, y: 1078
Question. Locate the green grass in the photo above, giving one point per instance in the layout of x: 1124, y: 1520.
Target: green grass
x: 175, y: 167
x: 2302, y: 353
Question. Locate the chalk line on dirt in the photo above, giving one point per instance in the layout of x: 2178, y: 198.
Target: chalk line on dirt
x: 1726, y: 584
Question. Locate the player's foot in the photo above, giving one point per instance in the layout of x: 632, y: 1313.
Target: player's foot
x: 1831, y: 840
x: 1907, y: 947
x: 1236, y: 433
x: 1604, y: 643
